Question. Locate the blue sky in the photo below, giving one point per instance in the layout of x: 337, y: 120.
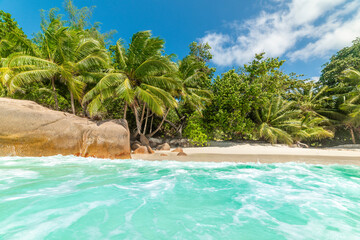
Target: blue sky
x: 304, y: 32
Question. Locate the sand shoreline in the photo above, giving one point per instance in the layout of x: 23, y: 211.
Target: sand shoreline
x: 260, y: 153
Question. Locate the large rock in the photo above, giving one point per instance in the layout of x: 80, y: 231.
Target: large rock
x: 28, y: 129
x: 179, y: 142
x: 163, y: 147
x: 154, y: 142
x: 178, y: 150
x: 135, y: 145
x: 143, y: 150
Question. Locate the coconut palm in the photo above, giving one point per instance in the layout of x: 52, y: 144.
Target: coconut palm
x: 351, y: 101
x: 193, y: 95
x: 310, y: 128
x: 275, y: 120
x: 311, y: 100
x: 66, y: 56
x: 192, y: 92
x: 12, y: 41
x: 12, y: 38
x: 279, y: 121
x: 141, y: 77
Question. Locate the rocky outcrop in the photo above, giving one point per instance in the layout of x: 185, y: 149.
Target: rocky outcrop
x: 155, y: 142
x: 135, y: 145
x: 28, y: 129
x: 179, y: 143
x: 143, y: 150
x: 163, y: 147
x: 178, y: 150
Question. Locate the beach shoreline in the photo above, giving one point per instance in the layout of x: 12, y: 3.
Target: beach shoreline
x: 259, y: 153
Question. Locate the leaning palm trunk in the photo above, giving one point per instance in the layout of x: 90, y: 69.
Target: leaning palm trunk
x: 142, y: 114
x: 352, y: 135
x: 146, y: 120
x: 72, y: 103
x: 55, y: 95
x: 151, y: 123
x: 138, y: 125
x: 160, y: 125
x: 125, y: 110
x: 142, y: 77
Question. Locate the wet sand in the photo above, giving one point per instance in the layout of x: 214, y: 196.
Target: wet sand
x: 260, y: 153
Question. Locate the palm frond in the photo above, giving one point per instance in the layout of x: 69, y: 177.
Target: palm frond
x: 28, y: 77
x: 168, y: 100
x: 152, y: 101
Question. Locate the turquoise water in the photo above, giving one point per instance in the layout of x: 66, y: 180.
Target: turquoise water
x: 77, y: 198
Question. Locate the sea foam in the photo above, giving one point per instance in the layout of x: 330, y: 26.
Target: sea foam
x: 67, y: 197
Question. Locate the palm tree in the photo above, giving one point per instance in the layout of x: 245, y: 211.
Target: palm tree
x: 310, y: 100
x: 351, y: 99
x: 192, y: 92
x: 192, y: 96
x: 275, y: 120
x: 311, y: 128
x: 141, y: 77
x: 279, y: 121
x: 66, y: 56
x: 12, y: 41
x: 12, y: 38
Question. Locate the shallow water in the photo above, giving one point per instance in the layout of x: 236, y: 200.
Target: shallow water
x: 77, y: 198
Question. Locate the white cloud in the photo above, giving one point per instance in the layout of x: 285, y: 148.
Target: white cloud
x: 315, y: 79
x: 302, y: 29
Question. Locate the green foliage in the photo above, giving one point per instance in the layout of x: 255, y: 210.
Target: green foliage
x: 348, y: 57
x: 238, y: 94
x: 194, y: 82
x: 140, y: 75
x: 201, y: 51
x: 12, y: 38
x: 351, y: 106
x: 7, y: 24
x: 276, y: 120
x: 70, y: 64
x: 194, y: 94
x: 280, y: 121
x: 231, y: 106
x: 195, y: 131
x: 78, y: 18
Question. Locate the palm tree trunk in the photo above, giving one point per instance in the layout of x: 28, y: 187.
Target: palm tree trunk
x: 151, y: 123
x: 180, y: 130
x: 138, y: 126
x: 146, y: 120
x: 55, y: 95
x: 125, y: 110
x: 182, y: 122
x: 352, y: 135
x: 160, y: 125
x: 72, y: 103
x: 142, y: 114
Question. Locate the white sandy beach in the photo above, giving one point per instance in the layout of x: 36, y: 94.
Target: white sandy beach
x: 262, y: 153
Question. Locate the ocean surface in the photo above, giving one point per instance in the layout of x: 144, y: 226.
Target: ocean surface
x: 77, y: 198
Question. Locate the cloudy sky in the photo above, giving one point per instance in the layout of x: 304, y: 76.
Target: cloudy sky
x: 304, y: 32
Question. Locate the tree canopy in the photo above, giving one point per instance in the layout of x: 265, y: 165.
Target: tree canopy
x: 70, y: 65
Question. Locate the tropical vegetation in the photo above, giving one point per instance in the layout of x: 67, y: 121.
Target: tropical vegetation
x: 71, y: 66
